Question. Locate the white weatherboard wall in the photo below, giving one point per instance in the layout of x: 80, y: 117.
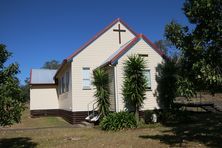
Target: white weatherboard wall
x: 93, y: 56
x: 43, y: 97
x: 65, y: 99
x: 153, y: 60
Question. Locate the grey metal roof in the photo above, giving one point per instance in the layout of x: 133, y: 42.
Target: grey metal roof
x: 42, y: 76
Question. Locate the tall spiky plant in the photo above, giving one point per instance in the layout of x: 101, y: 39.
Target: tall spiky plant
x: 101, y: 81
x: 135, y: 84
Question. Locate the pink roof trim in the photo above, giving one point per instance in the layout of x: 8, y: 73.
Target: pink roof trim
x: 160, y: 52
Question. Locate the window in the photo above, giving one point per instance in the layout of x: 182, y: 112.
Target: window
x: 63, y: 85
x: 67, y: 81
x: 59, y: 86
x: 143, y: 55
x: 86, y: 78
x: 148, y: 78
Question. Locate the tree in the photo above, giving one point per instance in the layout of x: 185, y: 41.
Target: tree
x: 163, y: 45
x: 53, y: 64
x: 167, y: 83
x: 201, y: 52
x: 11, y: 102
x: 134, y: 84
x: 25, y: 94
x: 101, y: 81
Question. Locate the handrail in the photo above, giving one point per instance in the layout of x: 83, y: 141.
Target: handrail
x: 94, y: 108
x: 89, y: 104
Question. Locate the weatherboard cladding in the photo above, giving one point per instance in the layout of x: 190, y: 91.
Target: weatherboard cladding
x: 92, y: 57
x: 42, y: 76
x: 76, y: 52
x: 122, y: 50
x: 98, y: 35
x: 128, y: 45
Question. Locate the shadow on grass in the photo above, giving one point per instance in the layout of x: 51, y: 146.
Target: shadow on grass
x: 203, y: 128
x: 19, y: 142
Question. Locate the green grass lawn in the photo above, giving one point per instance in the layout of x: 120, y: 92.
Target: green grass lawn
x: 200, y: 130
x: 39, y: 122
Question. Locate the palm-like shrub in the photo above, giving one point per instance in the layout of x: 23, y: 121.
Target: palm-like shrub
x: 101, y: 81
x: 135, y: 84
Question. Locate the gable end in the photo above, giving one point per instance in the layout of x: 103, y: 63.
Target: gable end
x: 98, y: 35
x: 115, y: 58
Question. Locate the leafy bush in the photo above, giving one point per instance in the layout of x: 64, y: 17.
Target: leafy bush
x: 167, y: 116
x: 148, y: 116
x: 167, y: 83
x: 118, y: 121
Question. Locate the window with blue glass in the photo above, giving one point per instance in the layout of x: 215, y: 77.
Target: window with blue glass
x: 86, y: 77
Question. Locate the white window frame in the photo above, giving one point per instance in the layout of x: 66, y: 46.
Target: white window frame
x: 149, y: 84
x: 86, y: 87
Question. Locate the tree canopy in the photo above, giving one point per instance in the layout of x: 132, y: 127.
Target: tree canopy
x: 11, y: 102
x: 26, y: 90
x: 53, y: 64
x: 200, y: 46
x: 163, y: 45
x: 167, y: 83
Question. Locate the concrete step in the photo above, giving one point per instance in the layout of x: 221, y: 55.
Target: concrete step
x: 86, y: 124
x: 218, y: 108
x: 212, y: 109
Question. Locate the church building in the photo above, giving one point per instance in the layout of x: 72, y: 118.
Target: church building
x: 68, y: 91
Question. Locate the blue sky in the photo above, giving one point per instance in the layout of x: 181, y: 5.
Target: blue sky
x: 36, y: 31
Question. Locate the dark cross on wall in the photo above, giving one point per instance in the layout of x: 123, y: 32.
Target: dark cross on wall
x: 119, y: 30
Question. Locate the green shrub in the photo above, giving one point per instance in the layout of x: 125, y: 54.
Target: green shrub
x: 167, y: 116
x: 148, y: 116
x: 118, y: 121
